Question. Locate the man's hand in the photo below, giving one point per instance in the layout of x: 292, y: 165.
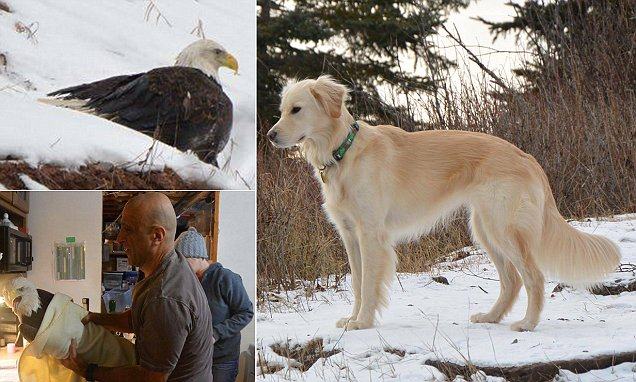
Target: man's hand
x: 74, y: 362
x: 87, y: 318
x: 118, y: 322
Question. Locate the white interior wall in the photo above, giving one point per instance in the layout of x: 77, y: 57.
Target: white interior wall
x: 52, y: 217
x: 237, y: 245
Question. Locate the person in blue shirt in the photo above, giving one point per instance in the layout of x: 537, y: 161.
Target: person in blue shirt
x: 229, y: 303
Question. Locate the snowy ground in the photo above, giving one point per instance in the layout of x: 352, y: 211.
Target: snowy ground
x: 429, y: 320
x: 51, y: 44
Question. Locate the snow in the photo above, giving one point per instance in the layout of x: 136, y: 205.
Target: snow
x: 31, y: 184
x: 429, y: 320
x: 78, y: 41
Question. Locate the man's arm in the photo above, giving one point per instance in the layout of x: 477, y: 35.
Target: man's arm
x: 119, y: 322
x: 107, y: 374
x: 241, y: 308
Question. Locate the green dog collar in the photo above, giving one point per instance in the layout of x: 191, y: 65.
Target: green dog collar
x: 339, y: 153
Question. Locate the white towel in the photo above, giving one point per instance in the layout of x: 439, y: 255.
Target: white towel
x: 63, y: 322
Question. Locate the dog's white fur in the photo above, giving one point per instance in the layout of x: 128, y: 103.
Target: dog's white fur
x: 393, y: 185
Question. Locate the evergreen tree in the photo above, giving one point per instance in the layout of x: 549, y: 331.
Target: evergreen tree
x: 364, y: 44
x: 574, y: 38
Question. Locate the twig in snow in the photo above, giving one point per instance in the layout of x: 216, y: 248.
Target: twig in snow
x: 198, y: 30
x: 152, y: 6
x: 30, y: 30
x: 15, y: 86
x: 55, y: 143
x: 226, y: 165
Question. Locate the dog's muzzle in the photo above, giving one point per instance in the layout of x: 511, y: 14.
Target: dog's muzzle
x: 271, y: 135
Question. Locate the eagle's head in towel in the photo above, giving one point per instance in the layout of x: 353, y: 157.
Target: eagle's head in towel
x: 22, y: 296
x: 208, y: 56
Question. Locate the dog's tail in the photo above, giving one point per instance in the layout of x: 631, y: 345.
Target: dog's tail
x: 574, y: 257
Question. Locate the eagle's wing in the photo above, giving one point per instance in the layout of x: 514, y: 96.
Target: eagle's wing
x: 94, y: 90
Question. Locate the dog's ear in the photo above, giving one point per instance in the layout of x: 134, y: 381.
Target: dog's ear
x: 330, y: 94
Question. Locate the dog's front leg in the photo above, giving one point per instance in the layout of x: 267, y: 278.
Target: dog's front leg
x: 352, y: 246
x: 378, y: 268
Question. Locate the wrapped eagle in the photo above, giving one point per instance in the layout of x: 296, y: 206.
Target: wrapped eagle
x: 183, y: 105
x: 50, y: 322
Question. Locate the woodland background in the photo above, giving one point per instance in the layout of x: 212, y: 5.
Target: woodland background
x: 571, y: 104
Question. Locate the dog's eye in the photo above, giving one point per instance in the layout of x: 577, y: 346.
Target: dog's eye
x: 295, y: 110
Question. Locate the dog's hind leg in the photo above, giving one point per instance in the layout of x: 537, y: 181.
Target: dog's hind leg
x: 378, y: 269
x: 509, y: 279
x: 533, y: 280
x: 355, y: 262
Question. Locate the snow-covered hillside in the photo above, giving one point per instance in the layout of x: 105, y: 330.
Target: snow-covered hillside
x: 427, y: 320
x: 53, y: 44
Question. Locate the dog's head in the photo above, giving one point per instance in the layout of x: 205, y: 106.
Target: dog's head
x: 308, y: 109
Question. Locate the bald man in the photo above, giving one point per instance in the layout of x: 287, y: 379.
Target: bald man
x: 169, y: 315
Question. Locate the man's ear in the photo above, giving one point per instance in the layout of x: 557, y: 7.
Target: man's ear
x: 159, y: 233
x: 330, y: 95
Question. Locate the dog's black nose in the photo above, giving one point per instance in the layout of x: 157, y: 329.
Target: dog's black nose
x: 272, y: 135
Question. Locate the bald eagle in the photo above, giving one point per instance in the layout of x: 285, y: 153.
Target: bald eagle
x: 182, y: 105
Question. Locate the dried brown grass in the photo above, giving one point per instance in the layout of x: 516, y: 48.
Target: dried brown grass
x: 94, y: 176
x: 306, y: 354
x: 4, y: 7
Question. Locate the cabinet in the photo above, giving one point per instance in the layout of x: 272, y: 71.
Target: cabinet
x: 16, y: 204
x: 7, y: 196
x: 21, y: 200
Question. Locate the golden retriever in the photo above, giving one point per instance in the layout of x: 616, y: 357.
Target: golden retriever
x: 392, y: 185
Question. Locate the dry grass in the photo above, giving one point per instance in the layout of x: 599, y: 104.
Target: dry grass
x: 30, y: 31
x: 153, y: 12
x: 396, y: 351
x: 304, y: 355
x: 198, y: 30
x: 4, y: 7
x: 95, y: 176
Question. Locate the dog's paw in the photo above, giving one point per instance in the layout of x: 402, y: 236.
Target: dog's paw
x: 523, y: 326
x: 357, y: 325
x: 480, y: 318
x: 342, y: 322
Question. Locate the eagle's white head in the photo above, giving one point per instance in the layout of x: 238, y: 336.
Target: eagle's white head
x: 207, y: 56
x: 21, y: 295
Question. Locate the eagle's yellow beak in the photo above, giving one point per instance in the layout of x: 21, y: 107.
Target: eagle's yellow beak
x: 230, y: 62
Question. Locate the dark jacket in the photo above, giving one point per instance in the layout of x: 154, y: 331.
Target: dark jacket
x: 231, y: 310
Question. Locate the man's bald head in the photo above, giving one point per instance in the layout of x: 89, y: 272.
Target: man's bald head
x: 148, y: 227
x: 154, y: 209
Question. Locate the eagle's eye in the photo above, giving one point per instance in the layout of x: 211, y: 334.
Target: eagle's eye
x: 295, y: 109
x: 218, y: 51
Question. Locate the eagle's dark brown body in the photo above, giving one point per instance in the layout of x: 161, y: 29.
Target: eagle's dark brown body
x: 180, y: 106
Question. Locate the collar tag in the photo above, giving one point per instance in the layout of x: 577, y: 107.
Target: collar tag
x: 323, y: 176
